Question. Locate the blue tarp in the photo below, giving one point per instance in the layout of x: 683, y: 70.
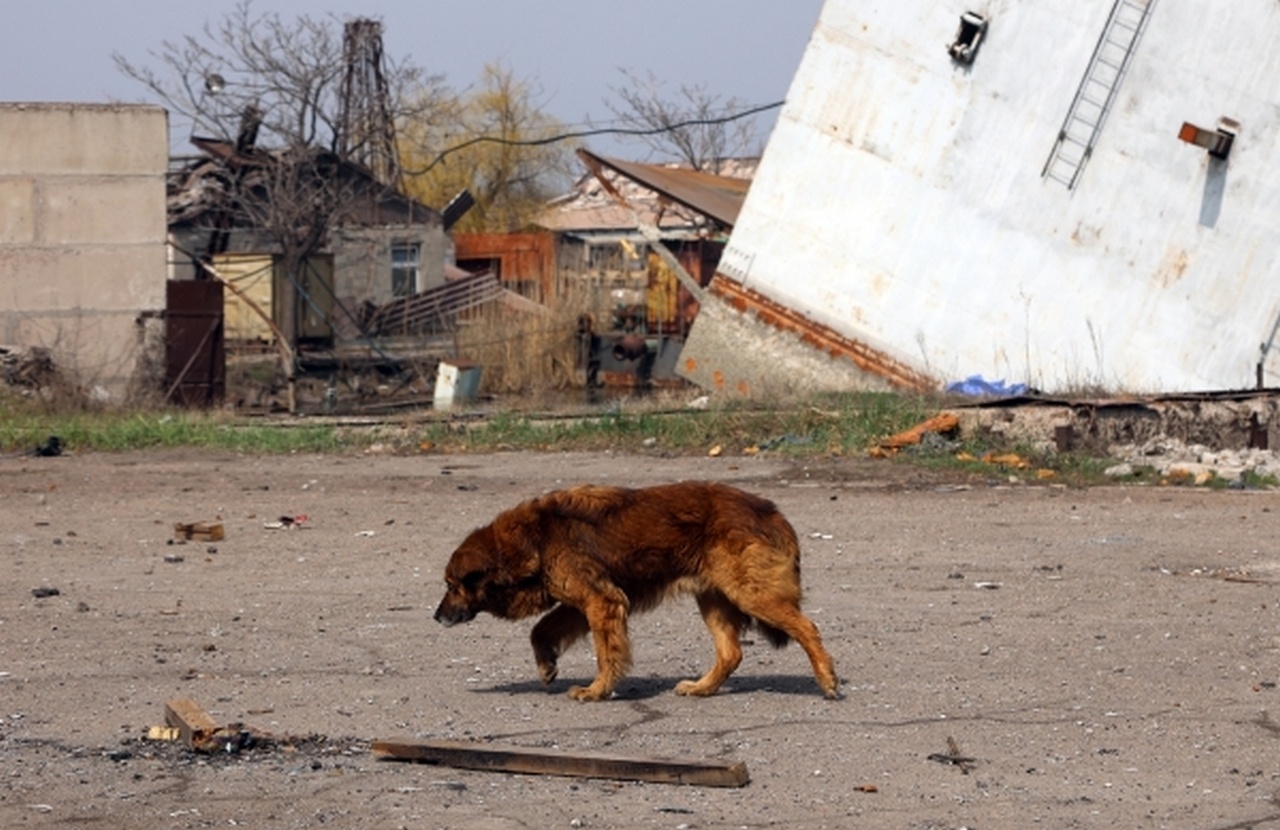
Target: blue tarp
x: 977, y: 385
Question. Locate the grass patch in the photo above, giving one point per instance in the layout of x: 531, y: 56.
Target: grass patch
x: 1253, y: 480
x: 119, y: 431
x: 829, y: 424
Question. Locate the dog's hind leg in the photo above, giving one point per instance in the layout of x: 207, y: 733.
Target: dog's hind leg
x: 790, y: 619
x: 558, y: 629
x: 725, y: 622
x: 777, y: 604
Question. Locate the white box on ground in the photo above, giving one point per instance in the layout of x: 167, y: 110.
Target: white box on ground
x: 457, y: 381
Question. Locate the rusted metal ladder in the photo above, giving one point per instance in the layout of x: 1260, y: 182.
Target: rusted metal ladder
x: 1097, y: 91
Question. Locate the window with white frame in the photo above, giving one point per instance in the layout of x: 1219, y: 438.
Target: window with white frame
x: 404, y: 268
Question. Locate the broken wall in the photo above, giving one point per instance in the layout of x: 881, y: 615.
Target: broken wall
x: 82, y: 237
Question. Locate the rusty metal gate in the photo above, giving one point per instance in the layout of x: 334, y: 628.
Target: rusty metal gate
x: 195, y: 357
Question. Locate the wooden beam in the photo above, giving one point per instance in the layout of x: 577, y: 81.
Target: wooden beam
x: 466, y: 755
x: 198, y: 531
x: 192, y: 722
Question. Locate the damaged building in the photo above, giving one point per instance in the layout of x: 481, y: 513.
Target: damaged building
x: 1052, y: 193
x: 377, y: 246
x: 381, y: 245
x: 642, y: 241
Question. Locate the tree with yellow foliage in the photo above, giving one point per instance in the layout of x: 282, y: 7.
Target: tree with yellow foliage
x: 493, y: 141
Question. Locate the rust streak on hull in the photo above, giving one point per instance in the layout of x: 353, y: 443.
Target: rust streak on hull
x: 820, y: 337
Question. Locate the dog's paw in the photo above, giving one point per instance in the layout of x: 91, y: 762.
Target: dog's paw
x: 547, y: 672
x: 586, y: 693
x: 694, y: 688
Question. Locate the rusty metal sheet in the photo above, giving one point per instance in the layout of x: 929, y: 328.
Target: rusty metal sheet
x: 195, y: 360
x: 719, y: 197
x: 523, y: 260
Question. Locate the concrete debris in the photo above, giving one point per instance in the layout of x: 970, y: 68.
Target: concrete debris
x: 1172, y: 457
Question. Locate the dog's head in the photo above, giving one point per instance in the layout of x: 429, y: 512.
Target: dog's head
x: 486, y: 574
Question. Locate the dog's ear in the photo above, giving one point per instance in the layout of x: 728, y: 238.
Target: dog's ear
x: 472, y: 558
x: 516, y: 540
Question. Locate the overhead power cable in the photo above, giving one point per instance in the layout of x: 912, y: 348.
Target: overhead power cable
x: 551, y: 139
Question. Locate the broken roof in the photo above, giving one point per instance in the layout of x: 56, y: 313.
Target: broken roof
x: 701, y: 201
x: 200, y: 184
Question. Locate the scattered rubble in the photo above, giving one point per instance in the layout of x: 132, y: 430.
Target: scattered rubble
x: 27, y: 368
x: 1175, y: 459
x: 298, y: 522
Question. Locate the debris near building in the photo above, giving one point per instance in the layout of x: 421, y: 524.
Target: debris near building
x: 27, y: 367
x: 641, y: 241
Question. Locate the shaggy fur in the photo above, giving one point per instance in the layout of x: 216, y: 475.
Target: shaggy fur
x: 590, y: 556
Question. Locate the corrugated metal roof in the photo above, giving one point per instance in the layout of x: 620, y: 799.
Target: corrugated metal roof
x: 591, y: 209
x: 718, y: 197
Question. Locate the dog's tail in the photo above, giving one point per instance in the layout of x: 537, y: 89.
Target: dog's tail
x: 776, y: 636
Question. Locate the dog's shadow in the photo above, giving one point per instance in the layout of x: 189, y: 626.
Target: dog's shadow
x: 645, y: 688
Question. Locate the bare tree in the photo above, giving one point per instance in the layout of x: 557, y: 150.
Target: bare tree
x: 266, y: 96
x: 695, y: 126
x: 291, y: 70
x: 498, y: 145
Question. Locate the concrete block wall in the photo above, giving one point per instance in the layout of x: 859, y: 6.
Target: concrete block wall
x: 82, y: 237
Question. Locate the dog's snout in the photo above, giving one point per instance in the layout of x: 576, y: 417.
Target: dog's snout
x: 450, y: 613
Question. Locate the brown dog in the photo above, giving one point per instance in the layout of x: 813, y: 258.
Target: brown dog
x: 589, y: 556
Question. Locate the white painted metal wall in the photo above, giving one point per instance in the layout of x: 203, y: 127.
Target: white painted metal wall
x: 900, y: 199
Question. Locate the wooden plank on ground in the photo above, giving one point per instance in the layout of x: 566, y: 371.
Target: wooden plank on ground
x: 466, y: 755
x: 192, y: 722
x: 198, y: 531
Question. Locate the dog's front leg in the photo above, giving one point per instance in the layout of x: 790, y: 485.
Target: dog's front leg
x: 558, y: 629
x: 606, y: 614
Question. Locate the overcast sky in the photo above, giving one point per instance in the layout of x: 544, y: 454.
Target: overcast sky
x: 60, y: 50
